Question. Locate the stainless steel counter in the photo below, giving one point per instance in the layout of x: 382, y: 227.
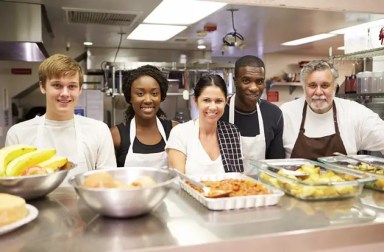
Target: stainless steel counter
x: 181, y: 223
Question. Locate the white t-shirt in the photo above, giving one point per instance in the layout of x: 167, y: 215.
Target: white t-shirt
x: 360, y: 128
x: 184, y: 137
x: 314, y: 122
x: 96, y: 140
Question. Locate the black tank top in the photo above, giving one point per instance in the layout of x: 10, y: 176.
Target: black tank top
x: 138, y: 147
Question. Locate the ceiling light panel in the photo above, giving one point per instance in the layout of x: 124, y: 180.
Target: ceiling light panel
x: 308, y: 39
x: 183, y: 12
x: 155, y: 32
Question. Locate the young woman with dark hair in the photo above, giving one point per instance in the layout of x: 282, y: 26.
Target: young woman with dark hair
x: 140, y: 140
x: 206, y: 145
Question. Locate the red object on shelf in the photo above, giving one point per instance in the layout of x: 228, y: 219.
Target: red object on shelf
x: 273, y: 96
x: 210, y: 27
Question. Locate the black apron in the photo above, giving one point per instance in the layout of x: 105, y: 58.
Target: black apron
x: 312, y: 148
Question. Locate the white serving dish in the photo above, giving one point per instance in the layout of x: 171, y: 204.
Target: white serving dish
x: 32, y: 214
x: 229, y: 203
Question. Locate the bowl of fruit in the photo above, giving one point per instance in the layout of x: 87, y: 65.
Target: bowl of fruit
x: 30, y: 172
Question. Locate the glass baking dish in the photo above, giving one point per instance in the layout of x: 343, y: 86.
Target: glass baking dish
x: 374, y: 167
x: 322, y: 183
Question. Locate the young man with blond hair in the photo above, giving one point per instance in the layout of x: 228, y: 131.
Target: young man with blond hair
x: 84, y: 141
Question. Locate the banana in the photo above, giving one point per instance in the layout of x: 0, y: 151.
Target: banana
x: 8, y: 153
x: 53, y: 163
x: 21, y: 163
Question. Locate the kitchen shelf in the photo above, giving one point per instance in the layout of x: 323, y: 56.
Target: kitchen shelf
x: 361, y: 95
x: 291, y: 85
x: 361, y: 54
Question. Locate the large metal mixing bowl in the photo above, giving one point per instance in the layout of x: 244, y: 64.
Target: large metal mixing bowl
x: 33, y: 186
x: 125, y: 202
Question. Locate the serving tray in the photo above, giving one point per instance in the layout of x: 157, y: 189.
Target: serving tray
x: 230, y: 203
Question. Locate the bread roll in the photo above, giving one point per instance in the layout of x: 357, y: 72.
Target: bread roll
x: 12, y: 209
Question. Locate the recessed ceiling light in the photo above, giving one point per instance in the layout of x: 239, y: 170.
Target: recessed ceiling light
x: 155, y: 32
x: 87, y: 43
x: 308, y: 39
x: 182, y: 12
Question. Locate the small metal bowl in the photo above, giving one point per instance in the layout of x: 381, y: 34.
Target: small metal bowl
x: 125, y: 202
x: 34, y: 186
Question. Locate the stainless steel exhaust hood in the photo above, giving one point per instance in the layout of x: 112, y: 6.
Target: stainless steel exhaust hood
x: 21, y: 32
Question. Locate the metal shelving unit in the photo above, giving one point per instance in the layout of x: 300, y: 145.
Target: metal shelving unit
x: 360, y: 54
x: 361, y: 95
x: 291, y: 85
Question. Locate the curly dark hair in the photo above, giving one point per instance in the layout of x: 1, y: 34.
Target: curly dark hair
x: 146, y: 70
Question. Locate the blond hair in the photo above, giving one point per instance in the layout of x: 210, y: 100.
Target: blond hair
x: 57, y: 66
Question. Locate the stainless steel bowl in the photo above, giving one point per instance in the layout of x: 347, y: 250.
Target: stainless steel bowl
x: 34, y: 186
x: 127, y: 202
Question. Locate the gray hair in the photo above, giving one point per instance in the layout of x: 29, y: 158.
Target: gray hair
x: 318, y: 65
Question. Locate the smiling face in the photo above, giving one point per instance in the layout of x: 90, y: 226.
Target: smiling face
x: 211, y: 103
x: 62, y: 94
x: 145, y: 97
x: 319, y: 90
x: 249, y: 87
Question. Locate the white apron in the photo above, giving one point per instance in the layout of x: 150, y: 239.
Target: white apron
x: 195, y: 164
x: 253, y: 147
x: 158, y: 160
x: 79, y: 160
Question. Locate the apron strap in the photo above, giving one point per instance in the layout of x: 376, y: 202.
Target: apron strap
x: 132, y: 132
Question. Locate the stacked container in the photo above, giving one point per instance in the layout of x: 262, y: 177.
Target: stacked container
x: 368, y: 82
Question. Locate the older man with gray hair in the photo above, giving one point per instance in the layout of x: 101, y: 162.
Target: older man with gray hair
x: 320, y: 124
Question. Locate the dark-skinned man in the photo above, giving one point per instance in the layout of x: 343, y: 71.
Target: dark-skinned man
x: 259, y: 121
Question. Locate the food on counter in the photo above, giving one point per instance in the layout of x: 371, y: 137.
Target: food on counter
x: 378, y: 184
x: 54, y: 163
x: 237, y: 187
x: 8, y: 153
x: 12, y: 209
x: 106, y: 180
x: 363, y: 166
x: 34, y: 170
x: 21, y: 160
x: 315, y: 185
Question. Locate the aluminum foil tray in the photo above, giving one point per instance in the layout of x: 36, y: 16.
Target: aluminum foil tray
x: 376, y: 170
x: 229, y: 203
x: 324, y: 183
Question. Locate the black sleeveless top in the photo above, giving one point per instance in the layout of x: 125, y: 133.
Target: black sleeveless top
x: 138, y: 147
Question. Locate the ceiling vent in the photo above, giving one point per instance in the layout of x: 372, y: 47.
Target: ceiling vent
x: 85, y: 16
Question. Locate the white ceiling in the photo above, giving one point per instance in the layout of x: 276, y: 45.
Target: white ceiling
x: 263, y: 25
